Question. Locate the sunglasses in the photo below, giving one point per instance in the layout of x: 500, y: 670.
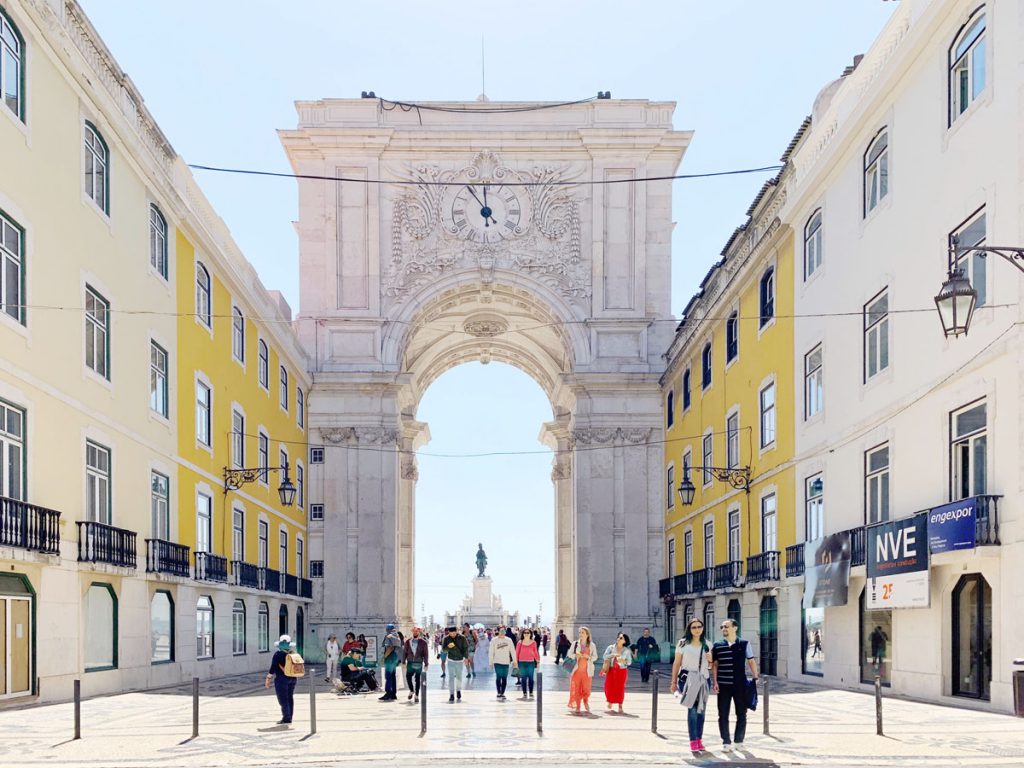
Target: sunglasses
x: 725, y: 626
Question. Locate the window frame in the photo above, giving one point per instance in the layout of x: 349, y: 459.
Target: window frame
x: 814, y: 506
x: 814, y: 383
x: 300, y: 408
x: 91, y: 154
x: 263, y: 366
x: 670, y: 477
x: 773, y: 515
x: 707, y: 454
x: 13, y: 462
x: 204, y: 523
x: 769, y: 413
x: 263, y: 544
x: 263, y: 456
x: 114, y: 629
x: 316, y: 512
x: 953, y: 62
x: 158, y: 233
x: 968, y: 439
x: 706, y: 363
x: 732, y: 337
x: 314, y: 452
x: 237, y: 438
x: 978, y: 260
x: 171, y: 637
x: 263, y: 628
x: 283, y: 394
x: 883, y: 475
x: 238, y: 634
x: 101, y: 476
x: 6, y: 21
x: 160, y: 518
x: 7, y: 256
x: 687, y: 389
x: 204, y: 414
x: 709, y: 543
x: 300, y: 485
x: 159, y: 381
x: 732, y: 440
x: 766, y: 297
x: 238, y: 335
x: 876, y: 171
x: 238, y: 533
x: 880, y: 327
x: 734, y: 539
x: 670, y: 403
x: 209, y: 608
x: 813, y: 240
x: 98, y: 331
x: 204, y: 296
x: 688, y: 551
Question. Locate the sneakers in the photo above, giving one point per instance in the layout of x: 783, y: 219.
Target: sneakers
x: 695, y: 746
x: 451, y: 699
x: 458, y: 694
x: 416, y: 700
x: 410, y: 695
x: 531, y: 695
x: 700, y: 746
x: 727, y: 747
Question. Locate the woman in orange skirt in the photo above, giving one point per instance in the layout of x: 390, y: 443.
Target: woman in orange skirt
x: 583, y: 653
x: 615, y: 670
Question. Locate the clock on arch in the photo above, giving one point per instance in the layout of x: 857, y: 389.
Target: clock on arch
x: 486, y: 213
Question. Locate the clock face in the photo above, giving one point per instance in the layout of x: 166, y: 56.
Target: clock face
x: 486, y: 213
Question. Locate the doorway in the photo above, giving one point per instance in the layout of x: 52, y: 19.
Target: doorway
x: 15, y: 638
x: 300, y: 629
x: 282, y: 620
x: 972, y: 637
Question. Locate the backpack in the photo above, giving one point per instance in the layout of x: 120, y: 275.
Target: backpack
x: 294, y: 666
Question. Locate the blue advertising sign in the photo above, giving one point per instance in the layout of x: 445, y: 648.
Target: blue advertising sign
x: 951, y: 526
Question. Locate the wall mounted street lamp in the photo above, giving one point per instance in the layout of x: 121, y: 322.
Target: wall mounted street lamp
x: 236, y: 478
x: 737, y: 477
x: 957, y: 297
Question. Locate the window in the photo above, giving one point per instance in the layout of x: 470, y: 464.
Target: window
x: 670, y: 476
x: 875, y: 643
x: 97, y: 483
x: 97, y: 333
x: 316, y: 569
x: 972, y: 233
x: 157, y: 241
x: 686, y: 389
x: 264, y: 456
x: 264, y: 365
x: 204, y: 522
x: 709, y: 614
x: 966, y: 67
x: 160, y: 505
x: 300, y: 486
x: 732, y: 440
x: 97, y: 168
x: 734, y: 534
x: 204, y: 628
x: 814, y: 388
x: 100, y: 627
x: 204, y: 306
x: 299, y: 551
x: 670, y: 416
x: 203, y: 413
x: 709, y: 457
x: 705, y: 366
x: 812, y: 244
x: 238, y: 535
x: 263, y: 628
x: 767, y: 400
x: 300, y: 409
x: 813, y: 641
x: 709, y: 544
x: 237, y: 439
x: 161, y: 627
x: 262, y: 556
x: 876, y: 335
x: 876, y: 171
x: 734, y: 611
x: 12, y: 62
x: 767, y: 297
x: 671, y: 557
x: 238, y: 628
x: 769, y: 636
x: 158, y: 400
x: 969, y: 451
x: 732, y: 337
x: 814, y: 507
x: 12, y: 266
x: 688, y: 551
x: 282, y: 551
x: 316, y: 455
x: 769, y: 524
x: 12, y: 452
x: 284, y: 388
x: 876, y: 484
x: 237, y: 334
x: 316, y: 511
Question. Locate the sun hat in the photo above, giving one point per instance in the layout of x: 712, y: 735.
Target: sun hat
x: 284, y: 643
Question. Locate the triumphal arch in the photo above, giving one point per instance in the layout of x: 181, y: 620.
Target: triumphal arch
x: 517, y: 234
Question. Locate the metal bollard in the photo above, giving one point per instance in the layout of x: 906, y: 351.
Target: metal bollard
x: 878, y: 705
x: 654, y: 702
x: 78, y: 709
x: 195, y: 707
x: 423, y: 704
x: 540, y: 699
x: 312, y: 704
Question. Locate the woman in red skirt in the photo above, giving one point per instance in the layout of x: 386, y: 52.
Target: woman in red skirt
x: 615, y: 670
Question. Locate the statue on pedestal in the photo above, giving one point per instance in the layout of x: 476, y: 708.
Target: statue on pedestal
x: 481, y: 560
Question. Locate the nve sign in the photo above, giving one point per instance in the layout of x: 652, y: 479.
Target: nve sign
x: 897, y: 564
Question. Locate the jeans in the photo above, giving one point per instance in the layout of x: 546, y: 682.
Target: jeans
x: 284, y: 687
x: 413, y: 670
x: 526, y: 669
x: 695, y: 723
x: 737, y: 694
x: 455, y: 670
x: 501, y: 678
x: 390, y: 681
x: 645, y: 670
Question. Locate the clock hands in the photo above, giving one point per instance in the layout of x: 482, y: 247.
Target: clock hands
x: 485, y: 209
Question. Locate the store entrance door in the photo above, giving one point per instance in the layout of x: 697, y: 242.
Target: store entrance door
x: 972, y: 637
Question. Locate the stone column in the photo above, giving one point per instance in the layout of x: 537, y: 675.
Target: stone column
x: 555, y: 434
x: 414, y: 434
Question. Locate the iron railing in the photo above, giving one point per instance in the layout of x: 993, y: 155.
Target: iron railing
x: 101, y: 543
x: 763, y: 567
x: 27, y: 526
x: 210, y: 567
x: 727, y: 575
x: 167, y: 557
x: 244, y: 574
x: 305, y: 588
x: 291, y: 584
x: 665, y: 587
x: 683, y: 584
x: 795, y: 560
x: 986, y: 521
x: 702, y: 580
x: 268, y: 579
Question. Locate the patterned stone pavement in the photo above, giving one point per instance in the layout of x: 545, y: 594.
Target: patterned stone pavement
x: 810, y: 726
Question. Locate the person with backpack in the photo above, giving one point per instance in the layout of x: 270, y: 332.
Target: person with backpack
x: 562, y: 644
x: 286, y: 667
x: 730, y: 658
x: 390, y: 660
x: 417, y: 659
x: 690, y: 672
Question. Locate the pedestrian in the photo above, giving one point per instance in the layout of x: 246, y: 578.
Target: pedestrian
x: 363, y: 645
x: 354, y: 673
x: 333, y: 651
x: 350, y: 643
x: 510, y: 633
x: 690, y: 672
x: 391, y: 657
x: 730, y: 657
x: 544, y: 639
x: 878, y: 639
x: 615, y: 670
x: 562, y: 644
x: 582, y: 652
x: 502, y: 657
x: 471, y: 640
x: 646, y: 651
x: 417, y: 659
x: 442, y: 653
x: 527, y: 659
x: 457, y: 648
x: 284, y: 684
x: 817, y: 643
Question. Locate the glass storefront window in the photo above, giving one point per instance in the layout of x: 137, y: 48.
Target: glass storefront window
x: 875, y: 644
x: 814, y: 641
x: 161, y: 619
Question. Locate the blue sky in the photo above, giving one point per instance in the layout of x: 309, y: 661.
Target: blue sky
x: 220, y: 77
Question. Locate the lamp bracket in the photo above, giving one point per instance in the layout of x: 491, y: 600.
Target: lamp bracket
x: 958, y: 253
x: 236, y: 478
x: 737, y: 477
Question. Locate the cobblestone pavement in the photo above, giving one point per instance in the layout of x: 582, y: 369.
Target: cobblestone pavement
x: 809, y: 726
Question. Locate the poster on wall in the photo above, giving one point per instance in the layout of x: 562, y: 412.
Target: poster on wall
x: 827, y: 571
x: 951, y: 526
x: 897, y: 564
x: 370, y: 657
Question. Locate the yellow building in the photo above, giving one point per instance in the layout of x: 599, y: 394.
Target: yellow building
x: 728, y: 392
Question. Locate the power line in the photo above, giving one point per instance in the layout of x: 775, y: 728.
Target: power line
x: 409, y: 106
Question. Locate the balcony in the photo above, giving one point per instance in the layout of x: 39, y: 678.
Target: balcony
x: 291, y: 584
x: 100, y: 543
x: 763, y: 568
x: 683, y: 584
x: 27, y: 526
x: 858, y: 545
x: 305, y: 588
x: 702, y: 580
x: 166, y: 557
x: 665, y: 587
x: 268, y: 579
x: 244, y: 574
x: 727, y: 575
x: 794, y: 561
x: 210, y: 567
x: 986, y: 521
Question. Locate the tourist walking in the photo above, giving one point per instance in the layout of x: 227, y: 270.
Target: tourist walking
x: 333, y: 651
x: 457, y: 648
x: 481, y: 654
x: 350, y: 643
x: 615, y: 670
x: 470, y: 634
x: 730, y: 658
x: 417, y: 659
x: 527, y: 659
x: 284, y: 684
x: 582, y: 652
x: 501, y: 657
x: 562, y: 644
x: 690, y: 672
x: 392, y: 652
x: 647, y: 653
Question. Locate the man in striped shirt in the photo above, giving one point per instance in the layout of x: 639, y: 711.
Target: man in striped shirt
x: 729, y: 680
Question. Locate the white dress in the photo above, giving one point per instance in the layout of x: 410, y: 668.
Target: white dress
x: 481, y: 656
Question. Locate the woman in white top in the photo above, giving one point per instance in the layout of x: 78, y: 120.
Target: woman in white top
x: 501, y: 656
x: 690, y: 671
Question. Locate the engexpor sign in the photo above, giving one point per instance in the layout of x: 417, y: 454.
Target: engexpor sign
x: 951, y: 526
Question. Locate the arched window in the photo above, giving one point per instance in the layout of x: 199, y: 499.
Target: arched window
x: 767, y: 296
x: 100, y: 627
x: 203, y: 303
x: 686, y: 389
x: 705, y: 366
x: 161, y: 627
x: 263, y: 628
x: 732, y: 336
x: 12, y: 66
x: 967, y: 66
x: 670, y: 403
x: 876, y: 171
x: 158, y: 241
x: 768, y: 630
x: 238, y: 628
x: 237, y: 334
x: 264, y: 366
x: 97, y: 168
x: 204, y: 628
x: 812, y: 244
x: 734, y: 611
x: 282, y: 620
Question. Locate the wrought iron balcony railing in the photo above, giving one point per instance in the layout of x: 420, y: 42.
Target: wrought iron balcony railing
x: 167, y: 557
x: 101, y: 543
x: 763, y: 567
x: 27, y: 526
x: 210, y: 567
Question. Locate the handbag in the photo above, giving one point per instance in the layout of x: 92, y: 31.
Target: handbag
x: 605, y: 666
x: 751, y: 694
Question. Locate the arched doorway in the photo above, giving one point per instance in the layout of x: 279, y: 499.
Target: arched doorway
x: 768, y: 629
x: 300, y: 630
x: 282, y: 620
x: 972, y: 637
